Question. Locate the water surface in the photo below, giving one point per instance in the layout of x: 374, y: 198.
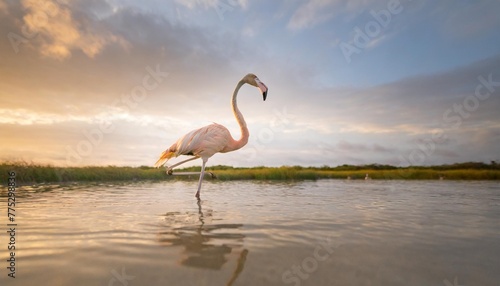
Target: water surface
x: 326, y: 232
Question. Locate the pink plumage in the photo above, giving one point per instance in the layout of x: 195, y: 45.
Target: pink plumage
x: 214, y: 138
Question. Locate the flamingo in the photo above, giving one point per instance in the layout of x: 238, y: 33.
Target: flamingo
x: 214, y: 138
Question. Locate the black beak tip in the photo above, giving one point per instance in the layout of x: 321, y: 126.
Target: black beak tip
x: 264, y: 95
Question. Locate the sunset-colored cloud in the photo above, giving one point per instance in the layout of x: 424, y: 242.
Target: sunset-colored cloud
x: 116, y: 83
x: 60, y: 33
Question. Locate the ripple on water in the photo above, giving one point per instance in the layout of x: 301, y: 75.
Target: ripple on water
x: 252, y: 232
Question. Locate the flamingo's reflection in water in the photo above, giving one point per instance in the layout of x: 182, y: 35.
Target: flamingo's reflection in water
x: 206, y: 245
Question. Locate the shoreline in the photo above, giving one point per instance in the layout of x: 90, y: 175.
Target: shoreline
x: 33, y: 174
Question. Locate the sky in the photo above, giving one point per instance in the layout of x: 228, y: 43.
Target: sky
x: 400, y: 82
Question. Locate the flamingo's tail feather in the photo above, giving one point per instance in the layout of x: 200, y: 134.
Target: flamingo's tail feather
x: 165, y: 156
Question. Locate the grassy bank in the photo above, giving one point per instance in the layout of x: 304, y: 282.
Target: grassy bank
x: 32, y: 173
x: 300, y: 173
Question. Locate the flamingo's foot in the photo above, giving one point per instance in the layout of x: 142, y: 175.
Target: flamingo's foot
x: 169, y: 171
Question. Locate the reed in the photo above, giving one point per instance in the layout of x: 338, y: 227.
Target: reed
x: 28, y: 173
x: 34, y: 173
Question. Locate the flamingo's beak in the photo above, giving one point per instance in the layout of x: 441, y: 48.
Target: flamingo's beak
x: 262, y: 87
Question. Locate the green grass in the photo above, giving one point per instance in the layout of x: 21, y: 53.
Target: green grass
x: 33, y: 173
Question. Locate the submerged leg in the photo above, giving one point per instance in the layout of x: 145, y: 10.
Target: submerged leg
x: 201, y: 178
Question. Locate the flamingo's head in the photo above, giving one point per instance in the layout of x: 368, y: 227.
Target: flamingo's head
x: 255, y: 81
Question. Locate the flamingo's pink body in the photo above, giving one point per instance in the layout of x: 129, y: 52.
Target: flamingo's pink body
x: 214, y: 138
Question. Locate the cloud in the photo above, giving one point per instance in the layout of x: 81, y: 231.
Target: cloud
x: 351, y: 147
x: 60, y: 33
x: 188, y: 54
x: 70, y: 97
x: 410, y: 105
x: 219, y: 4
x: 27, y: 117
x: 315, y: 12
x: 401, y: 115
x: 349, y: 152
x: 3, y: 7
x: 312, y: 13
x: 469, y: 19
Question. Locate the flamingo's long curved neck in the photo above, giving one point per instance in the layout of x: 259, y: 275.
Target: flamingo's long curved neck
x: 237, y: 144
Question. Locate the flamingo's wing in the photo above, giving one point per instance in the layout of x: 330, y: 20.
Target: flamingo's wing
x: 202, y: 142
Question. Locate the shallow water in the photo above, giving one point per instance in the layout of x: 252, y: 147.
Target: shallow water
x: 326, y: 232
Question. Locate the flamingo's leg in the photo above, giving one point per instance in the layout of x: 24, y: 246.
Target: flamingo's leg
x: 201, y: 178
x: 169, y: 169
